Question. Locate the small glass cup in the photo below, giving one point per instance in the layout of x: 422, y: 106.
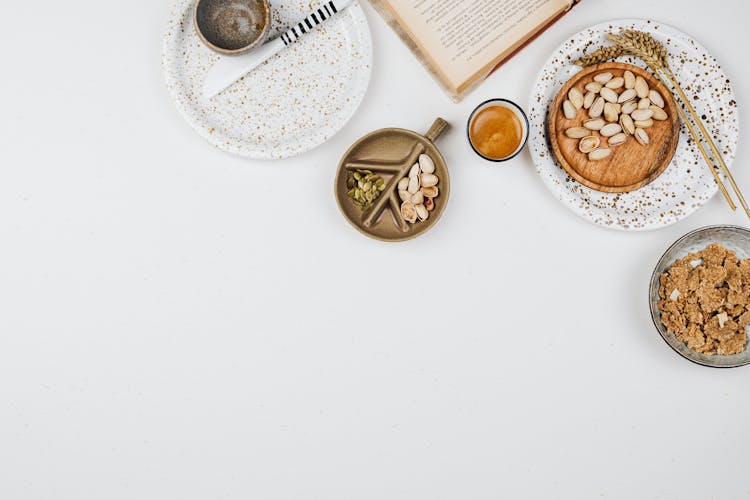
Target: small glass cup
x: 516, y: 109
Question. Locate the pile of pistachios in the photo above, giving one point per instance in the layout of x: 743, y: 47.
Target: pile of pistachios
x: 364, y: 187
x: 418, y: 190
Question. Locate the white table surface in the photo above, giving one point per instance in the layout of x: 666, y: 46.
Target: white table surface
x: 177, y: 322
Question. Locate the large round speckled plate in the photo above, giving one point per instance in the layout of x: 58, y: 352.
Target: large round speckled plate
x: 686, y: 184
x: 288, y: 105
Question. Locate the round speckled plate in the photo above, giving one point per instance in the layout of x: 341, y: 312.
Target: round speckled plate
x: 295, y: 101
x: 686, y: 184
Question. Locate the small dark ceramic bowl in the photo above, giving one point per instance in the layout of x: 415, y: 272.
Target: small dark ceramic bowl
x: 730, y: 237
x: 516, y: 109
x: 232, y: 26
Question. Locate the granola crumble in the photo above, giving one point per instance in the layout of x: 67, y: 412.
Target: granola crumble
x: 705, y: 300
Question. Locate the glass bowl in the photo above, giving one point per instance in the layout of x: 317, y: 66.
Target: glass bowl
x: 730, y: 237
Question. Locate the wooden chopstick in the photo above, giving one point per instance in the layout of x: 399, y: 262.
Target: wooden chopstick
x: 709, y: 140
x: 698, y: 143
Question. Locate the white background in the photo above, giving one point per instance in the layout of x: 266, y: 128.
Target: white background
x: 179, y: 323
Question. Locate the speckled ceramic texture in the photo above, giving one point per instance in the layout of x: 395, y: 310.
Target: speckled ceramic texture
x: 290, y: 104
x: 686, y: 184
x: 731, y: 237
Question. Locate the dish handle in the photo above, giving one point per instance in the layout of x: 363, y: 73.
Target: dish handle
x: 437, y: 128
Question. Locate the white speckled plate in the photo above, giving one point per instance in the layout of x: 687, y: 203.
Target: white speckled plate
x: 686, y: 184
x: 288, y: 105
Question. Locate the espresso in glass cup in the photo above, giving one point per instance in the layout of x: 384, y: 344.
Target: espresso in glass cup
x: 497, y: 130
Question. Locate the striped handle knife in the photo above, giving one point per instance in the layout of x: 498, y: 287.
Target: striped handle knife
x: 229, y: 69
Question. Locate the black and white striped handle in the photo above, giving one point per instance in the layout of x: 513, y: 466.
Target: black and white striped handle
x: 325, y: 11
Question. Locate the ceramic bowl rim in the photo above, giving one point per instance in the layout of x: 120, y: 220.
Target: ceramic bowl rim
x: 221, y: 50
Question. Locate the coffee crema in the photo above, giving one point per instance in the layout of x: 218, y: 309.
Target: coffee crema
x: 496, y: 132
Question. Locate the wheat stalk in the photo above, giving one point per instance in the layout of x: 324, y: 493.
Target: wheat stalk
x: 644, y: 46
x: 600, y: 55
x: 649, y: 45
x: 654, y: 54
x: 632, y: 42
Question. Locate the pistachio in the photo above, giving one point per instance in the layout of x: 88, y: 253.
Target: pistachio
x: 641, y: 87
x: 569, y: 110
x: 409, y: 212
x: 413, y: 184
x: 426, y: 164
x: 597, y: 108
x: 641, y: 136
x: 403, y: 184
x: 588, y: 144
x: 609, y: 94
x: 610, y: 129
x: 626, y: 96
x: 641, y: 114
x: 617, y: 139
x: 418, y: 197
x: 615, y: 83
x: 594, y: 124
x: 599, y: 154
x: 629, y: 107
x: 656, y: 98
x: 644, y: 123
x: 428, y: 180
x: 610, y: 112
x: 575, y: 97
x: 613, y: 112
x: 594, y: 87
x: 627, y: 124
x: 659, y: 114
x: 415, y: 170
x: 629, y: 78
x: 576, y: 132
x: 588, y: 99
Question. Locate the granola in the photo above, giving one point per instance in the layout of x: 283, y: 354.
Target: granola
x: 705, y: 300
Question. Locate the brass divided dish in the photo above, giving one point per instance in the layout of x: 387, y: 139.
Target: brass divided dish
x: 391, y: 152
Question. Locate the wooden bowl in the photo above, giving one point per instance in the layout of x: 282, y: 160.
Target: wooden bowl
x: 391, y: 152
x: 631, y: 165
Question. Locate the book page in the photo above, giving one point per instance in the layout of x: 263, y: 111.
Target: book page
x: 464, y: 37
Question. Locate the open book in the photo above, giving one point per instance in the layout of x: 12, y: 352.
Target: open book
x: 462, y: 41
